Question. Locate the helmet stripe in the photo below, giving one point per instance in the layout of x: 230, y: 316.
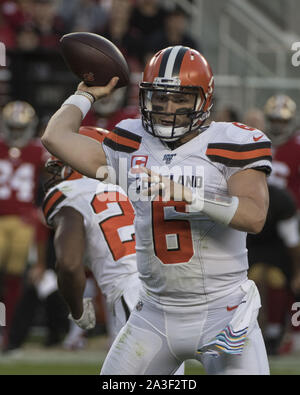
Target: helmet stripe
x: 178, y: 61
x: 164, y: 60
x: 171, y: 62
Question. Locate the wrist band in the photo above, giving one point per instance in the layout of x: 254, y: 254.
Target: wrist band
x: 220, y: 209
x: 86, y: 94
x: 80, y: 101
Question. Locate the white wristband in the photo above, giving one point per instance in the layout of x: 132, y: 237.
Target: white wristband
x: 220, y: 208
x: 81, y: 102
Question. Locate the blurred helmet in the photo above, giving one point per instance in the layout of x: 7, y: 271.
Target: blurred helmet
x: 18, y: 124
x: 184, y: 74
x: 280, y: 107
x: 59, y: 171
x: 280, y: 111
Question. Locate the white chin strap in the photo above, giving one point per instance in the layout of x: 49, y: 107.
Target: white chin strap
x: 165, y: 132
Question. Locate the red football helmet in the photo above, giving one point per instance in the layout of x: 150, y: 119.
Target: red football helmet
x: 60, y: 170
x: 184, y: 73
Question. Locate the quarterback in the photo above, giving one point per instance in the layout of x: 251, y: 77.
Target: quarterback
x: 207, y: 189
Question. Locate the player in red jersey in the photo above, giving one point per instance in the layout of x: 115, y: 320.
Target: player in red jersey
x: 22, y: 159
x: 280, y: 112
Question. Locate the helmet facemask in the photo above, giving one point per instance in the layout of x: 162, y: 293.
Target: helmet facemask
x: 188, y: 102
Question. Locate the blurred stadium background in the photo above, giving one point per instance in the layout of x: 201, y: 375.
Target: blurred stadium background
x: 249, y: 46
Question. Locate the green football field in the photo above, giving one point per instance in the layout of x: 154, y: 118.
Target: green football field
x: 36, y: 360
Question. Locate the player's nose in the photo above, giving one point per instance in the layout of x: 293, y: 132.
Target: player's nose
x: 171, y: 106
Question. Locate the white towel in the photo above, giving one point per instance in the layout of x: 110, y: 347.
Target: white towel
x: 231, y: 339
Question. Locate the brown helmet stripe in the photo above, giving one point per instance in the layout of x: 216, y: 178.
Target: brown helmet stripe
x: 171, y: 61
x: 164, y: 61
x: 178, y: 61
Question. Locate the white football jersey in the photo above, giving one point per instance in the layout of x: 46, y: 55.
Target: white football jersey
x: 187, y: 258
x: 108, y: 221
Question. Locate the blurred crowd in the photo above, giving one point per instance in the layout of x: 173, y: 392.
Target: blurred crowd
x: 139, y: 28
x: 27, y: 261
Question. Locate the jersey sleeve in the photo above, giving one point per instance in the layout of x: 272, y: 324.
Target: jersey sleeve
x: 240, y: 147
x: 56, y: 199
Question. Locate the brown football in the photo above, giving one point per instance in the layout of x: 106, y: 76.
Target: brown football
x: 94, y: 59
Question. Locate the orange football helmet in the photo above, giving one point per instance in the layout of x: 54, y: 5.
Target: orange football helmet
x: 176, y: 70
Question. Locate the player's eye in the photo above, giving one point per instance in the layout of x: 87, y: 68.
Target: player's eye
x: 160, y: 99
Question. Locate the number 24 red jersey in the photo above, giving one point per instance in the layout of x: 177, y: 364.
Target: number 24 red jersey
x: 19, y: 173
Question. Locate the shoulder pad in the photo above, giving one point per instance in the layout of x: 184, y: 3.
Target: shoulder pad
x: 125, y: 137
x: 237, y: 145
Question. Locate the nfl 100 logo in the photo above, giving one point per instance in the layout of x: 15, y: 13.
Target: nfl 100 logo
x: 168, y: 158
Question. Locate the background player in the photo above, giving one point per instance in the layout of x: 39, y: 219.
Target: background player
x: 280, y: 113
x: 97, y: 231
x: 192, y: 255
x: 22, y: 159
x: 275, y: 266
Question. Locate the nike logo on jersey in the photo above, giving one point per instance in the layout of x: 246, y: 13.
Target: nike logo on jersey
x: 258, y: 138
x: 230, y: 308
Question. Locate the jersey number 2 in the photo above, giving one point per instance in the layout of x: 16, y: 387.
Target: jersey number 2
x: 111, y: 225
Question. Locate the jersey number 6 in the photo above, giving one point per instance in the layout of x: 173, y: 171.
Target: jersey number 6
x: 172, y: 238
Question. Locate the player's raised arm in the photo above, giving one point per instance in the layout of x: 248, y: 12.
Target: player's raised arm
x: 61, y: 136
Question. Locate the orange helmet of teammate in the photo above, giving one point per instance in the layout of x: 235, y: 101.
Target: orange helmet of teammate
x: 280, y: 111
x: 181, y: 75
x: 18, y: 123
x: 60, y: 170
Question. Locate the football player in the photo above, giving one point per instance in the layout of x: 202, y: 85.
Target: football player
x: 207, y: 187
x: 94, y: 223
x: 22, y: 159
x: 280, y: 113
x: 91, y: 229
x: 274, y: 258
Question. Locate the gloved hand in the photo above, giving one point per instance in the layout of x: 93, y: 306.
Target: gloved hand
x: 88, y: 318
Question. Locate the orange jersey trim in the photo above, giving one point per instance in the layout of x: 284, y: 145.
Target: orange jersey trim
x: 49, y: 204
x: 239, y: 155
x: 123, y: 141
